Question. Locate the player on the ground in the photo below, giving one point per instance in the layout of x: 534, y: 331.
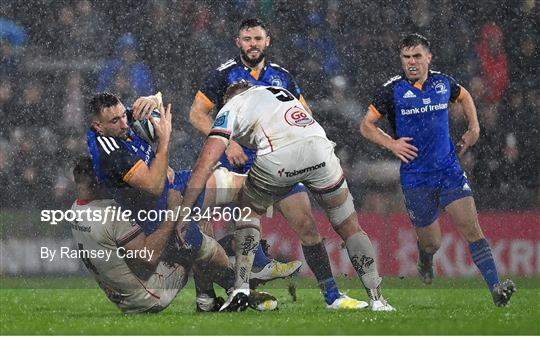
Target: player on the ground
x: 291, y: 148
x: 131, y: 170
x: 143, y: 273
x: 252, y: 65
x: 416, y: 105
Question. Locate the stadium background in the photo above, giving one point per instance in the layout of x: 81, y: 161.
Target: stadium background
x: 54, y: 53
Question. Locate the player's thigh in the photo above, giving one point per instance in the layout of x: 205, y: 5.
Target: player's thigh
x: 422, y: 204
x: 463, y: 213
x: 296, y: 209
x: 173, y: 279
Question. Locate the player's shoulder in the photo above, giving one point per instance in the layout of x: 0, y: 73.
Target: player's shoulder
x: 109, y: 145
x: 394, y: 80
x: 227, y: 65
x: 436, y: 75
x: 277, y: 67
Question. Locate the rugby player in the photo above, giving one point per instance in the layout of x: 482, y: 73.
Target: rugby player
x: 141, y: 283
x: 416, y: 105
x: 138, y: 177
x: 291, y: 148
x: 252, y: 65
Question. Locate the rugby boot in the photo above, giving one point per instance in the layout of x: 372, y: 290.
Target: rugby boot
x: 502, y: 292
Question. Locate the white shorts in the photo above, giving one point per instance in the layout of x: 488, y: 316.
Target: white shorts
x: 311, y: 161
x: 159, y: 291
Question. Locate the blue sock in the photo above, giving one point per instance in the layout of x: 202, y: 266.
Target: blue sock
x: 330, y: 290
x: 260, y: 258
x: 481, y: 254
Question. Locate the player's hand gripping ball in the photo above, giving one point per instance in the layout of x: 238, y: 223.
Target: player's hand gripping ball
x: 144, y: 128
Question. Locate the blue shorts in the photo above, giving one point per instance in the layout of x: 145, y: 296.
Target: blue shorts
x: 425, y: 202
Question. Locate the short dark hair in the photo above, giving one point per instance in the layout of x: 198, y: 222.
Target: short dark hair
x: 252, y: 22
x: 413, y: 40
x: 83, y: 172
x: 101, y: 101
x: 236, y: 88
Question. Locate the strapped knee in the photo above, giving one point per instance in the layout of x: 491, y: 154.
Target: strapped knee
x: 339, y: 214
x: 209, y: 246
x: 225, y: 189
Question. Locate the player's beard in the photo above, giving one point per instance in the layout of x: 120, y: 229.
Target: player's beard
x: 252, y: 62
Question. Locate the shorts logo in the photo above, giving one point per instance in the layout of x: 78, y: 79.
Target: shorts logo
x: 301, y: 171
x: 221, y: 121
x: 440, y: 88
x: 298, y: 117
x: 466, y: 187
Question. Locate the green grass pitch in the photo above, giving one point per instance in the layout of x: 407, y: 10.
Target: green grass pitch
x: 450, y: 306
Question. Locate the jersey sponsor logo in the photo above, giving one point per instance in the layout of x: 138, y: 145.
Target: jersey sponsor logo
x: 424, y: 109
x: 295, y: 172
x: 298, y: 117
x: 426, y: 101
x: 221, y: 121
x: 409, y: 94
x: 440, y: 88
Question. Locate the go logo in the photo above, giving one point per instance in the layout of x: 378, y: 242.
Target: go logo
x: 298, y: 117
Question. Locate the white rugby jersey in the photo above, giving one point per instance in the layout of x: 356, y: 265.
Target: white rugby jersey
x: 123, y: 287
x: 266, y: 119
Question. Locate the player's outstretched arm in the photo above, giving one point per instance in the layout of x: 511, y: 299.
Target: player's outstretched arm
x: 212, y: 150
x: 473, y: 133
x: 151, y: 179
x: 400, y: 147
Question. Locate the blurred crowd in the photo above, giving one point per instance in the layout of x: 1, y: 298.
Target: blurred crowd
x: 55, y: 54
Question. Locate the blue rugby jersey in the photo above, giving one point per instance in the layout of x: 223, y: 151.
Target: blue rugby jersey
x: 115, y: 160
x: 234, y: 70
x: 420, y: 111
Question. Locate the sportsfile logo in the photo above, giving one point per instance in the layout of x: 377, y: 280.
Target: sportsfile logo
x: 301, y: 171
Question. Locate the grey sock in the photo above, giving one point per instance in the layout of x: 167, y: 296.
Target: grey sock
x: 246, y: 241
x: 362, y: 257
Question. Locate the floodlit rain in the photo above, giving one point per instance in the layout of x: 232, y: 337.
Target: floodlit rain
x: 55, y: 55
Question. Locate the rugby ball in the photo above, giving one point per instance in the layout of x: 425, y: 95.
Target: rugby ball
x: 144, y: 128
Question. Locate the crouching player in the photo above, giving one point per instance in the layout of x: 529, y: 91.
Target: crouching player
x: 150, y: 282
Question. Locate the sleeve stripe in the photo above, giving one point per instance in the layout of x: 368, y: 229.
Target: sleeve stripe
x: 375, y: 110
x: 100, y: 140
x: 302, y: 100
x: 207, y: 101
x: 461, y: 94
x: 108, y: 143
x: 133, y: 170
x: 113, y: 141
x: 220, y: 133
x: 131, y: 234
